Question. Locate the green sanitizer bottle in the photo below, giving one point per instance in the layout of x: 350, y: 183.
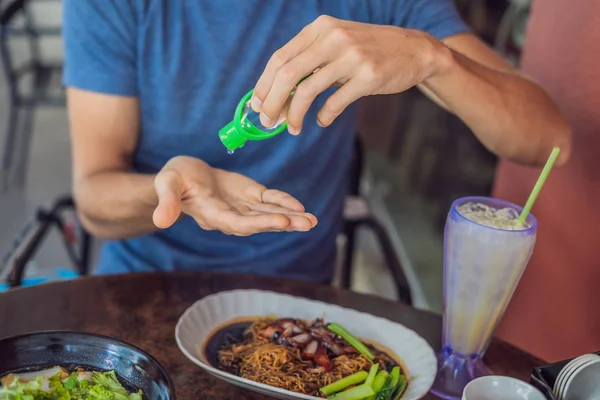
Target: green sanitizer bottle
x: 246, y: 126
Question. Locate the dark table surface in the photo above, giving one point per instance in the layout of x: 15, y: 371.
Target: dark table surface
x: 143, y: 309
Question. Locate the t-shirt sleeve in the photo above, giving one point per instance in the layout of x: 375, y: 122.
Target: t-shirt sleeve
x: 100, y: 46
x: 439, y: 18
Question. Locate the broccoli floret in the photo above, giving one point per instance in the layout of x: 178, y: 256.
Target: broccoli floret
x: 136, y: 396
x: 103, y: 386
x: 58, y: 390
x: 24, y: 391
x: 80, y: 392
x: 98, y: 392
x: 7, y: 394
x: 109, y: 380
x: 71, y: 382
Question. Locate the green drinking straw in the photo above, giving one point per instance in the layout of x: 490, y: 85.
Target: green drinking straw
x: 538, y: 185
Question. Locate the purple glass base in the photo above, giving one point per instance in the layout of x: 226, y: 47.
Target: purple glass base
x: 454, y: 372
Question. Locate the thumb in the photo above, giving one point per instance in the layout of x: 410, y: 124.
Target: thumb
x: 169, y: 189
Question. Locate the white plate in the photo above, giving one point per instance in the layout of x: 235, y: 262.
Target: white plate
x: 206, y: 315
x: 584, y: 383
x: 564, y: 371
x: 559, y: 383
x: 567, y: 372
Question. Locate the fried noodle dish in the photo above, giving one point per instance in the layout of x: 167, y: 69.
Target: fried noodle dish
x: 305, y: 357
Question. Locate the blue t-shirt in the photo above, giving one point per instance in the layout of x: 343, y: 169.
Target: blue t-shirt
x: 189, y: 62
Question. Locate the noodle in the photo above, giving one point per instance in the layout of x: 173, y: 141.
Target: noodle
x: 261, y: 360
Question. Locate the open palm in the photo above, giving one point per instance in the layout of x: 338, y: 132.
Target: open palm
x: 224, y: 201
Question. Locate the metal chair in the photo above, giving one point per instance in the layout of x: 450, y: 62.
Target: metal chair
x: 356, y: 216
x: 76, y: 239
x: 511, y: 32
x: 44, y: 77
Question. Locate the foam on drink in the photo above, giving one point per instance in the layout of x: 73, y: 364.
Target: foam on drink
x: 499, y: 218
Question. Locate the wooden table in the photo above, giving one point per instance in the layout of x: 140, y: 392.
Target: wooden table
x: 143, y: 309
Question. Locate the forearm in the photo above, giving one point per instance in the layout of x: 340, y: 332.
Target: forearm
x: 511, y: 116
x: 116, y: 205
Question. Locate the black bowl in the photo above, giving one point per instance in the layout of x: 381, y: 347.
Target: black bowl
x: 40, y: 350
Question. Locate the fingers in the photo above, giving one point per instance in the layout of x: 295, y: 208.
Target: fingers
x: 309, y: 89
x: 299, y: 221
x: 282, y: 199
x: 287, y: 77
x: 169, y: 188
x: 276, y: 201
x: 321, y: 48
x: 339, y: 101
x: 233, y: 223
x: 216, y: 214
x: 299, y: 43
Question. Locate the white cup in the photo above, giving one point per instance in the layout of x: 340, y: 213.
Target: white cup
x: 500, y: 388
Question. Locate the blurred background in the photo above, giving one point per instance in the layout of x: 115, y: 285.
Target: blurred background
x: 417, y: 160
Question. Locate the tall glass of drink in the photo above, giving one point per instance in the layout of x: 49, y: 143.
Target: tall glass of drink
x: 486, y: 250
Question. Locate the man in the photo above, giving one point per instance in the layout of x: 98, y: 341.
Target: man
x: 554, y: 311
x: 150, y: 83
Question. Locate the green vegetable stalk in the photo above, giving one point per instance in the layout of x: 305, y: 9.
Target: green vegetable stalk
x: 395, y: 375
x: 372, y: 373
x: 402, y: 382
x: 386, y: 391
x: 351, y: 339
x: 379, y: 383
x: 356, y: 393
x: 341, y: 384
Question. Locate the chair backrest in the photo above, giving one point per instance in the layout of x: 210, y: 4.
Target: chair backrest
x: 9, y: 9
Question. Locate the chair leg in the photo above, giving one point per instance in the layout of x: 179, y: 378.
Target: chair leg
x: 356, y: 167
x: 25, y: 146
x: 355, y: 176
x: 403, y: 121
x: 85, y: 240
x: 348, y: 262
x: 9, y: 147
x: 84, y: 251
x: 81, y: 256
x: 396, y: 269
x: 45, y: 222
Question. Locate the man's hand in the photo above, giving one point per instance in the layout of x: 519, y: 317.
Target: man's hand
x: 224, y: 201
x: 363, y: 59
x: 512, y: 116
